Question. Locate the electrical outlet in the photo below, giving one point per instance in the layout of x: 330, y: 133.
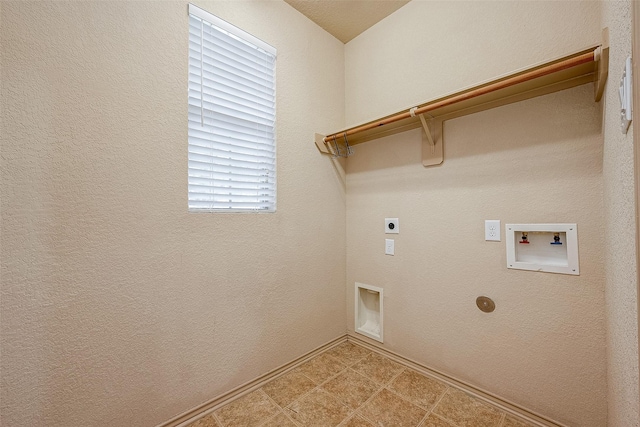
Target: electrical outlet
x: 391, y: 226
x: 492, y: 230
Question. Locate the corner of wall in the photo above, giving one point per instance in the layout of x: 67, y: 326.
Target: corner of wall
x: 620, y: 254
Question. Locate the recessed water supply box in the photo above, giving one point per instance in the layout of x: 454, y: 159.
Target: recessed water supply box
x: 550, y: 248
x: 368, y: 311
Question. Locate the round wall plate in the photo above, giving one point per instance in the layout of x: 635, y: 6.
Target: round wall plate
x: 485, y: 304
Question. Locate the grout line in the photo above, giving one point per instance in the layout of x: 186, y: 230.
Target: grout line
x: 424, y: 419
x: 352, y: 411
x: 276, y: 404
x: 366, y: 402
x: 350, y: 417
x: 428, y: 408
x: 282, y: 410
x: 318, y: 386
x: 393, y: 377
x: 352, y: 362
x: 302, y: 396
x: 438, y: 402
x: 334, y: 358
x: 444, y: 420
x: 433, y: 406
x: 421, y: 423
x: 373, y: 395
x: 331, y: 377
x: 382, y: 386
x: 294, y: 422
x: 401, y: 397
x: 215, y: 417
x: 272, y: 401
x: 363, y: 376
x: 307, y: 377
x: 271, y: 417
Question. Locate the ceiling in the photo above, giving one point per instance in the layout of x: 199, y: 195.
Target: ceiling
x: 345, y: 19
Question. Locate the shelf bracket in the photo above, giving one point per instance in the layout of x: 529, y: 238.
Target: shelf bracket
x: 334, y: 146
x: 427, y: 131
x: 432, y: 142
x: 431, y: 151
x: 602, y: 67
x: 322, y: 146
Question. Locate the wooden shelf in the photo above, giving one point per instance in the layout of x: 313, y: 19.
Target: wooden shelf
x: 585, y: 66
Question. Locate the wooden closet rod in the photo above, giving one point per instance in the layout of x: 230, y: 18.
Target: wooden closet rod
x: 511, y: 81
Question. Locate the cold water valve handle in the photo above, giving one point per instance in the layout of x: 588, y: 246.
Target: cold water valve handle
x: 556, y: 239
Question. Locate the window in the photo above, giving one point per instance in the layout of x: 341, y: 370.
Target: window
x: 232, y: 150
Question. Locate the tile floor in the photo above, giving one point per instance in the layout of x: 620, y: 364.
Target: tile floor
x: 350, y: 386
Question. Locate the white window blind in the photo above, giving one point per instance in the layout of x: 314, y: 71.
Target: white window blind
x: 232, y: 146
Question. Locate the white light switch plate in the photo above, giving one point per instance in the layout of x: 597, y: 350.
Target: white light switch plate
x: 389, y: 247
x: 492, y: 230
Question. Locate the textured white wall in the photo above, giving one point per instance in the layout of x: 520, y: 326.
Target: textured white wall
x: 536, y: 161
x: 620, y: 251
x: 119, y: 307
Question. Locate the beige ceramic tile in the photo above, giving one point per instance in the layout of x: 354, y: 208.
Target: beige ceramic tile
x: 351, y: 388
x: 250, y: 410
x: 348, y: 353
x: 512, y: 421
x: 289, y: 387
x: 417, y: 388
x: 318, y: 409
x: 434, y: 421
x: 388, y: 410
x: 279, y: 420
x: 356, y: 421
x: 378, y: 368
x: 466, y: 411
x: 207, y: 421
x: 321, y: 368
